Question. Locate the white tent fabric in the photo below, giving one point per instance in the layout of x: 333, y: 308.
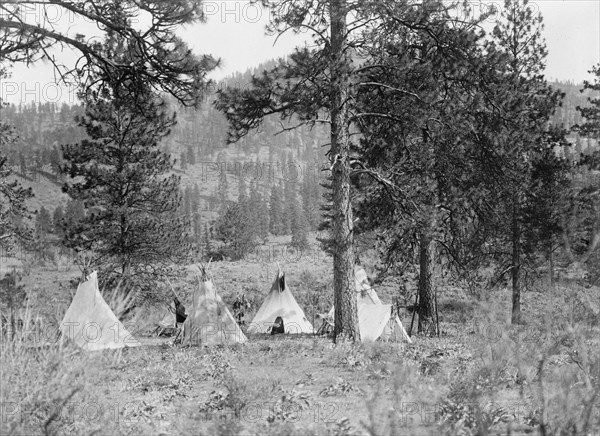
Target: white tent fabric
x: 365, y: 294
x: 168, y: 320
x: 280, y: 303
x: 91, y: 324
x: 376, y: 322
x: 375, y: 319
x: 209, y: 321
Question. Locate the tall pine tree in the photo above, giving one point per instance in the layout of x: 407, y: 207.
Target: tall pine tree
x: 122, y: 177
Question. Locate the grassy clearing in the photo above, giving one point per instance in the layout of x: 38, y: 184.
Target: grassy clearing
x: 482, y: 376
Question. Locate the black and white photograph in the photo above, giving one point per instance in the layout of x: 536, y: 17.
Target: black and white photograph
x: 300, y: 217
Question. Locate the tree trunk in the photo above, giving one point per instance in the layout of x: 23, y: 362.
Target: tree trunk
x: 516, y: 263
x: 346, y: 314
x: 426, y: 308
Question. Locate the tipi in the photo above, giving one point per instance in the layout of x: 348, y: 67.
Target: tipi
x: 280, y: 303
x: 91, y: 324
x: 375, y: 319
x: 209, y: 321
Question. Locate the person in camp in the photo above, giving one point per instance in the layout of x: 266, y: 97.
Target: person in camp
x: 278, y: 327
x: 239, y: 307
x: 180, y: 314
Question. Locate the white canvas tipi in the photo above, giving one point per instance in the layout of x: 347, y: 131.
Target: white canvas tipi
x: 209, y: 321
x: 91, y: 324
x: 375, y: 319
x: 280, y: 303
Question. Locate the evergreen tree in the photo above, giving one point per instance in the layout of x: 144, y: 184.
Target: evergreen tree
x: 74, y: 215
x: 162, y: 59
x: 122, y: 178
x: 43, y: 227
x: 309, y: 200
x: 528, y: 102
x: 12, y: 297
x: 235, y: 232
x: 254, y: 205
x: 223, y: 188
x: 242, y: 189
x: 264, y: 218
x: 23, y: 163
x: 578, y: 148
x: 183, y: 164
x: 43, y: 221
x: 547, y: 200
x: 276, y: 220
x: 290, y: 200
x: 187, y: 202
x: 191, y: 156
x: 57, y: 220
x: 583, y: 220
x: 196, y: 198
x: 13, y: 197
x: 300, y: 227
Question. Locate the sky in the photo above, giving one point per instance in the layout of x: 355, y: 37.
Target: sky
x: 235, y: 32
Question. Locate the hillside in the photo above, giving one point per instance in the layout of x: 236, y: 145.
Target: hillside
x: 198, y: 143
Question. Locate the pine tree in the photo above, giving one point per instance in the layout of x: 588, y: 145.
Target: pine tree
x: 191, y: 156
x: 528, y: 102
x: 264, y: 218
x: 309, y: 193
x: 43, y: 221
x: 23, y: 164
x: 223, y: 188
x: 290, y: 204
x: 12, y: 297
x: 254, y: 205
x: 583, y: 221
x: 234, y: 230
x: 276, y: 211
x: 183, y: 163
x: 300, y: 228
x: 242, y: 189
x: 74, y: 215
x: 43, y: 227
x: 188, y: 201
x: 57, y: 220
x: 122, y: 178
x: 162, y: 59
x: 13, y: 197
x: 196, y: 198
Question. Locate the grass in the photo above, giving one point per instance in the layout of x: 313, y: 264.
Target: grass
x: 481, y: 376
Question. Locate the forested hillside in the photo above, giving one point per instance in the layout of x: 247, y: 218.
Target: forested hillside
x: 275, y: 176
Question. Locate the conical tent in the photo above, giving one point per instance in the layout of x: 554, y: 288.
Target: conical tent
x: 209, y: 321
x: 375, y: 319
x: 91, y: 324
x: 280, y: 303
